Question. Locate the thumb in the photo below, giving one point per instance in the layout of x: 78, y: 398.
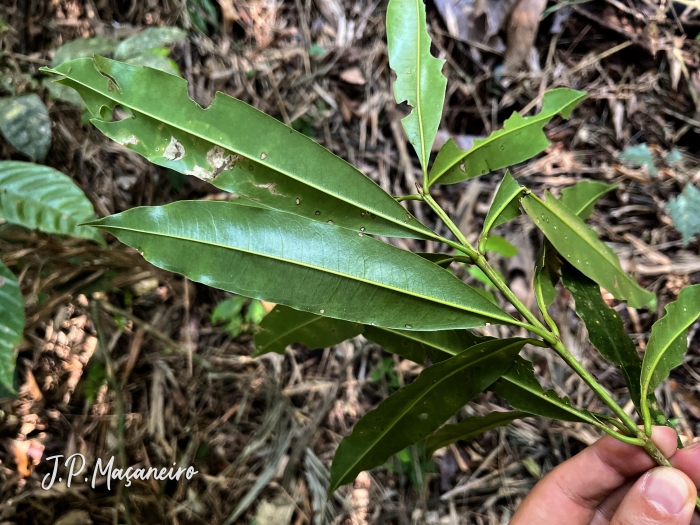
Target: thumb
x: 663, y: 495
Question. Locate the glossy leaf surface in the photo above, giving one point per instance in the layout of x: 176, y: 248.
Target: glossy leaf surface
x: 605, y: 328
x: 289, y: 260
x: 468, y: 429
x: 284, y: 326
x: 520, y: 387
x: 581, y: 197
x: 669, y: 338
x: 520, y: 139
x: 235, y: 147
x: 25, y: 123
x: 419, y: 79
x: 505, y: 205
x: 579, y: 245
x: 42, y: 198
x: 11, y: 326
x: 546, y: 276
x: 416, y: 410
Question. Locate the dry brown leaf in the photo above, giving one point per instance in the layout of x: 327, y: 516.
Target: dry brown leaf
x: 353, y: 76
x: 523, y: 24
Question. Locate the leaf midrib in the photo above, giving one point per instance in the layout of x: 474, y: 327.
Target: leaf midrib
x: 409, y: 225
x: 495, y: 135
x: 541, y: 395
x: 306, y: 265
x: 659, y: 356
x: 431, y: 387
x: 424, y: 161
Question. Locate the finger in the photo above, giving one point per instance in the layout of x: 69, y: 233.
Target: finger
x: 688, y: 460
x: 662, y: 496
x: 574, y: 489
x: 607, y: 508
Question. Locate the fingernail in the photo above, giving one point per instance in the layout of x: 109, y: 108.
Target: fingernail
x: 666, y: 488
x: 694, y: 446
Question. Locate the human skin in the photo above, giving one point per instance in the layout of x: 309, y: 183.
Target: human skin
x: 615, y: 483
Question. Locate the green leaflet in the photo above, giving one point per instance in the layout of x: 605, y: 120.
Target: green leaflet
x: 668, y: 341
x: 83, y: 47
x: 418, y: 409
x: 468, y: 429
x: 684, y: 212
x: 580, y: 246
x: 284, y: 326
x: 290, y: 260
x: 520, y: 139
x: 546, y: 276
x: 501, y: 246
x: 419, y: 78
x: 505, y: 206
x: 42, y: 198
x: 234, y: 146
x: 605, y: 329
x: 417, y: 345
x: 11, y: 327
x: 25, y: 123
x: 520, y: 387
x: 580, y: 198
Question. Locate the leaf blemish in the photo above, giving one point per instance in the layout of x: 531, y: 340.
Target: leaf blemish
x: 174, y: 150
x: 270, y: 186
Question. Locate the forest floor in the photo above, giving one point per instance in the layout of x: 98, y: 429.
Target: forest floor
x: 166, y: 384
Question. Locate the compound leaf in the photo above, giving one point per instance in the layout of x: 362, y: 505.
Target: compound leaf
x: 581, y: 197
x: 416, y: 410
x: 309, y: 266
x: 419, y: 78
x: 520, y: 387
x: 468, y: 429
x: 579, y: 245
x: 668, y: 340
x: 25, y: 123
x: 284, y: 326
x: 233, y: 146
x: 11, y: 327
x: 520, y: 139
x: 42, y: 198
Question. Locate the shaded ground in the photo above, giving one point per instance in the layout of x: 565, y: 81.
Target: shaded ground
x: 163, y: 385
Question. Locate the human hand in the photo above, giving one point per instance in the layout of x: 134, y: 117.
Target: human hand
x: 614, y: 483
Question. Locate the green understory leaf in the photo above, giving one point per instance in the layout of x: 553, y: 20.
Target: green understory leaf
x: 520, y: 387
x: 25, y: 123
x: 579, y: 246
x: 605, y: 328
x: 11, y: 327
x: 468, y: 429
x: 147, y: 40
x: 284, y: 326
x: 546, y: 276
x: 309, y: 266
x: 42, y: 198
x: 668, y: 341
x: 416, y: 410
x: 581, y: 197
x: 505, y: 205
x: 235, y: 147
x: 158, y: 59
x: 520, y: 139
x: 501, y: 246
x: 419, y: 79
x: 83, y: 47
x: 685, y: 212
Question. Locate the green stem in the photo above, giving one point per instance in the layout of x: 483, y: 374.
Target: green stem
x: 409, y: 198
